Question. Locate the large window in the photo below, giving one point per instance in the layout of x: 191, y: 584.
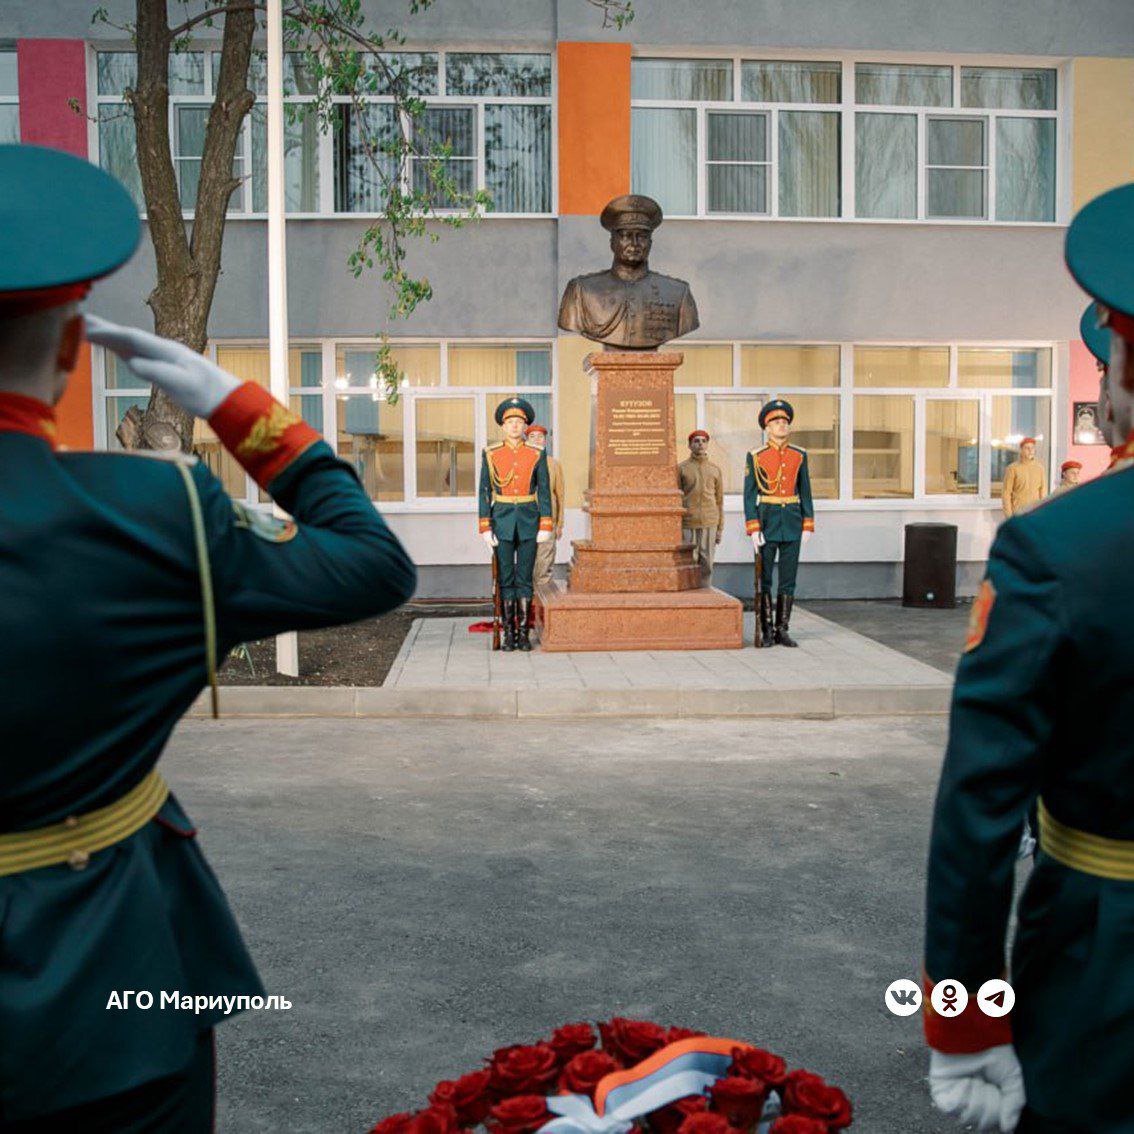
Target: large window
x: 491, y: 112
x: 421, y: 448
x: 879, y: 423
x: 837, y: 138
x: 9, y: 97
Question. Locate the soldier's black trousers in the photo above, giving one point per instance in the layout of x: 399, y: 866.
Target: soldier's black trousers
x: 516, y: 561
x: 786, y: 553
x: 178, y: 1104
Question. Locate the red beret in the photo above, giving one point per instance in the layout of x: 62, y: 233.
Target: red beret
x: 535, y: 429
x: 1070, y: 465
x: 698, y: 433
x: 1028, y: 441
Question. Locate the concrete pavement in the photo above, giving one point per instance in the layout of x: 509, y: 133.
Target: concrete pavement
x: 426, y: 891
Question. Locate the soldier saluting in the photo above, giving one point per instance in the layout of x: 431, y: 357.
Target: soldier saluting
x: 515, y: 514
x: 124, y: 578
x: 1043, y: 709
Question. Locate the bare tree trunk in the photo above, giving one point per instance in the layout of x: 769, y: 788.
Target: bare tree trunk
x: 187, y: 265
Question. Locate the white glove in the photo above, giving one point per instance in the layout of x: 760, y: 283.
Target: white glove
x: 757, y: 540
x: 489, y: 538
x: 543, y: 537
x: 189, y: 378
x: 985, y: 1088
x: 807, y: 535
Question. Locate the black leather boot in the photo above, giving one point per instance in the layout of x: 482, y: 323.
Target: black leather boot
x: 523, y: 630
x: 766, y: 629
x: 783, y: 620
x: 509, y: 642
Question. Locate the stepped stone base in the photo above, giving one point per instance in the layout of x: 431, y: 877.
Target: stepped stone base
x: 633, y: 569
x: 701, y: 619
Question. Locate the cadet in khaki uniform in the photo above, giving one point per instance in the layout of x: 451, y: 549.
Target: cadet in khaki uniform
x: 1025, y: 483
x: 536, y: 437
x: 1069, y: 473
x: 125, y: 576
x: 702, y: 496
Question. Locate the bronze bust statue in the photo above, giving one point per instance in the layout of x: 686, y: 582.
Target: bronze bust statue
x: 628, y: 307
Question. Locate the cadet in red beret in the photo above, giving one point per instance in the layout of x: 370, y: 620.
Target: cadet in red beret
x: 702, y: 497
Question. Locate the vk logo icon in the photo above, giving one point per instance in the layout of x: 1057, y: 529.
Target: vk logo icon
x: 903, y: 997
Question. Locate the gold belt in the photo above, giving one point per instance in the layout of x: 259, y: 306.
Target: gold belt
x: 514, y: 499
x: 779, y: 499
x: 78, y: 837
x: 1090, y: 854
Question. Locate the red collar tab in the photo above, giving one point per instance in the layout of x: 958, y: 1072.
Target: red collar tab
x: 1124, y: 451
x: 21, y: 414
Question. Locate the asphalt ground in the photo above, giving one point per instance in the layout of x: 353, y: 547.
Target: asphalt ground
x: 426, y: 891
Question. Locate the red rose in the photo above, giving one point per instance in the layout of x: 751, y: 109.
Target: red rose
x: 571, y: 1040
x: 631, y: 1041
x: 668, y: 1119
x: 810, y: 1096
x: 581, y: 1076
x: 395, y: 1124
x: 436, y: 1120
x: 705, y: 1124
x: 523, y: 1070
x: 741, y: 1101
x: 756, y: 1063
x: 675, y: 1034
x: 523, y: 1114
x: 468, y: 1096
x: 797, y: 1124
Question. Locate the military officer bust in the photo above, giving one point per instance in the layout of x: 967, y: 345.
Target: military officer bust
x: 628, y: 307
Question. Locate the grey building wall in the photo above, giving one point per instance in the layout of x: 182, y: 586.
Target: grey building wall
x: 1019, y: 27
x: 496, y: 277
x: 1016, y: 27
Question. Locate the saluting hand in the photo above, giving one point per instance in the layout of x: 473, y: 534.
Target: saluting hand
x: 191, y: 380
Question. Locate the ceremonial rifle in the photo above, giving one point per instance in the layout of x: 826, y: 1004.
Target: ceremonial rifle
x: 497, y: 612
x: 758, y: 640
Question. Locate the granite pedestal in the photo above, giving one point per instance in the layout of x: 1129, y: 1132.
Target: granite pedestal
x: 634, y: 585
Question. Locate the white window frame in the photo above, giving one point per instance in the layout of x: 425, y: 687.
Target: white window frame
x: 847, y: 392
x: 847, y: 110
x: 325, y: 138
x: 9, y: 48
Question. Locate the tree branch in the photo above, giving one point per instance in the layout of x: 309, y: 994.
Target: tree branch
x: 212, y: 13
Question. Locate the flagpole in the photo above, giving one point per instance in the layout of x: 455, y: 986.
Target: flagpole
x: 287, y: 645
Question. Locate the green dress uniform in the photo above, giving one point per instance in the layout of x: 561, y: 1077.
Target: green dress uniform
x: 778, y: 503
x: 111, y: 628
x: 514, y: 499
x: 1043, y: 713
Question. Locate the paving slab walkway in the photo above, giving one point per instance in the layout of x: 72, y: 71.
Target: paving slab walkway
x: 444, y: 670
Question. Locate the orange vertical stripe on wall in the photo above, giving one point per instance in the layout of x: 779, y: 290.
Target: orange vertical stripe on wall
x: 74, y: 414
x: 594, y: 125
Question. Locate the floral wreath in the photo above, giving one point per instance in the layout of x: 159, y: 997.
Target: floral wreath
x: 641, y: 1077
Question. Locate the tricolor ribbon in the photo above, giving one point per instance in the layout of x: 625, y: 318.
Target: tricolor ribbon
x: 688, y: 1067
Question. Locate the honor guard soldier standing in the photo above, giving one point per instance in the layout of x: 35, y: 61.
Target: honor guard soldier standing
x: 779, y: 515
x: 124, y: 578
x: 536, y: 437
x: 702, y: 497
x: 515, y: 514
x: 1043, y: 711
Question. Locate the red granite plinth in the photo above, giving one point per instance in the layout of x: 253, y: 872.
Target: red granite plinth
x: 634, y: 585
x: 701, y: 619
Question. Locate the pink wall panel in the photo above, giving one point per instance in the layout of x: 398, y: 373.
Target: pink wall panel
x: 52, y: 72
x: 1084, y: 388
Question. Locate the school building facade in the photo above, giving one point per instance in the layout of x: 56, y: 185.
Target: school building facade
x: 868, y: 200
